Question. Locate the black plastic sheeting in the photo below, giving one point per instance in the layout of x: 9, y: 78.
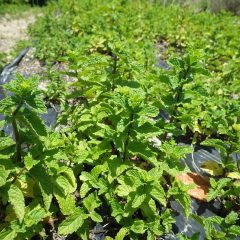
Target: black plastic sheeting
x: 201, y: 154
x: 6, y: 76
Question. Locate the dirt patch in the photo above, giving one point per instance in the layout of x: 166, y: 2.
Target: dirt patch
x: 30, y: 65
x: 13, y: 30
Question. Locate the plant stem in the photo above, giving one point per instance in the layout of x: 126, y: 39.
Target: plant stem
x: 115, y: 59
x: 16, y: 134
x: 126, y: 143
x: 177, y: 98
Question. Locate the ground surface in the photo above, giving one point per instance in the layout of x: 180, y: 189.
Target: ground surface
x: 13, y: 30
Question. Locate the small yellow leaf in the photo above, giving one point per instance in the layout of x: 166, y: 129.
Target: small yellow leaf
x: 233, y: 175
x: 197, y: 127
x: 212, y: 168
x: 236, y: 183
x: 27, y: 186
x: 236, y: 127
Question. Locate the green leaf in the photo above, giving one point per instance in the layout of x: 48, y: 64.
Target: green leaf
x: 217, y: 188
x: 167, y: 220
x: 231, y: 218
x: 122, y: 234
x: 66, y: 182
x: 29, y: 161
x: 91, y: 202
x: 217, y: 143
x: 177, y: 62
x: 158, y: 194
x: 200, y: 70
x: 45, y: 184
x: 16, y: 198
x: 8, y: 234
x: 66, y: 204
x: 212, y: 168
x: 6, y: 142
x: 72, y: 223
x: 85, y: 188
x: 117, y: 209
x: 150, y: 235
x: 138, y: 226
x: 7, y: 106
x: 117, y: 167
x: 32, y: 121
x: 149, y: 111
x: 95, y: 217
x: 85, y: 176
x: 234, y: 230
x: 185, y: 201
x: 138, y: 199
x: 37, y: 103
x: 3, y: 175
x: 233, y: 175
x: 34, y: 214
x: 142, y: 150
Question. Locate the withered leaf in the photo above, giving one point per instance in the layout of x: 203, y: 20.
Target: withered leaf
x: 202, y: 185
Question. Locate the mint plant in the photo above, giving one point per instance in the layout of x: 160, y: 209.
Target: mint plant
x: 114, y: 159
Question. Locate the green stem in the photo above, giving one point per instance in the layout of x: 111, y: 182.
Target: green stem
x: 126, y: 143
x: 16, y: 134
x: 177, y: 98
x: 115, y: 59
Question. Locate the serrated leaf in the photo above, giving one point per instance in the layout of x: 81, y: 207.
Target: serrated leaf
x: 29, y: 161
x: 85, y: 188
x: 176, y: 62
x: 149, y: 111
x: 85, y: 176
x: 231, y: 218
x: 3, y: 175
x: 138, y: 199
x: 8, y: 234
x: 33, y: 122
x: 233, y: 175
x: 37, y: 103
x: 27, y: 185
x: 72, y: 223
x: 6, y: 105
x: 217, y: 188
x: 95, y: 217
x: 143, y: 151
x: 45, y: 184
x: 16, y: 198
x: 121, y: 234
x: 212, y: 168
x: 66, y: 182
x: 117, y: 166
x: 91, y: 202
x: 138, y: 226
x: 158, y: 194
x: 200, y: 70
x: 116, y: 208
x: 234, y: 230
x: 217, y: 143
x: 34, y: 214
x: 66, y: 204
x: 123, y: 190
x: 6, y: 142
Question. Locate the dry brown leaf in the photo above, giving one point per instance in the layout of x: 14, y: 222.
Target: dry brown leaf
x: 202, y: 185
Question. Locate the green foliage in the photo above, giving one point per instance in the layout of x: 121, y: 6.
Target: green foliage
x: 112, y: 153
